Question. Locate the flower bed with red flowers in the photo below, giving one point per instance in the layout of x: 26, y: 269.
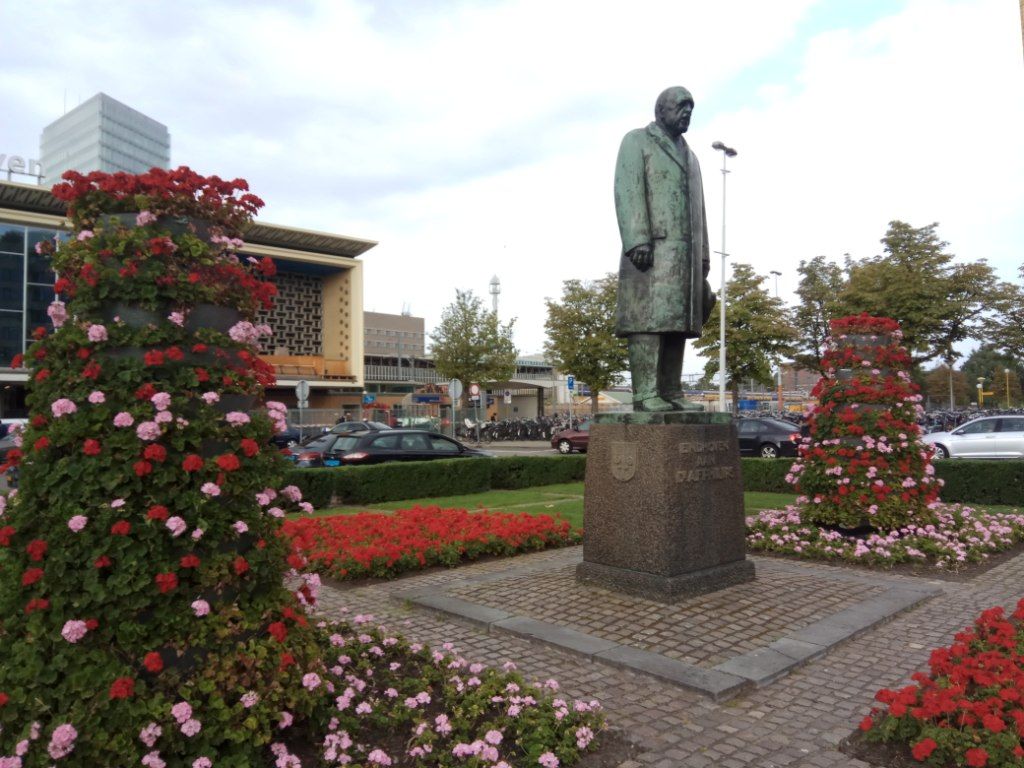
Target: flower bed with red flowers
x: 385, y: 545
x: 968, y: 709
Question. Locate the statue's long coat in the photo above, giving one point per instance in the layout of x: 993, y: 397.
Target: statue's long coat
x: 659, y: 199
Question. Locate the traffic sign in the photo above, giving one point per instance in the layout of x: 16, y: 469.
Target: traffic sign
x: 454, y: 389
x: 474, y: 390
x: 508, y: 397
x: 367, y: 399
x: 570, y: 382
x: 302, y: 390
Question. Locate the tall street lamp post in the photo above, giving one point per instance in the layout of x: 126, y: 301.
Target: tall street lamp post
x: 727, y: 152
x: 778, y: 363
x: 1006, y: 372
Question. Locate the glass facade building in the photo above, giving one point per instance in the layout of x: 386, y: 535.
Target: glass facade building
x: 102, y: 134
x: 26, y: 287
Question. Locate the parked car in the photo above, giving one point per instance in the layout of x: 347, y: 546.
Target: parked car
x: 767, y: 437
x: 569, y: 440
x: 378, y: 446
x: 283, y: 439
x: 991, y: 437
x: 359, y: 426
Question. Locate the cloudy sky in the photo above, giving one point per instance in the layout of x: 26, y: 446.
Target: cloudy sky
x: 478, y: 138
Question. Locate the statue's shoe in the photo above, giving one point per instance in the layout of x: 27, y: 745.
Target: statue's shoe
x: 654, y: 404
x: 684, y: 405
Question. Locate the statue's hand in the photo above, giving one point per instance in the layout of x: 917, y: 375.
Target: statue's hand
x: 642, y: 257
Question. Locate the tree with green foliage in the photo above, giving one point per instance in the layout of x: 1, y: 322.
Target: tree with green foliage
x: 938, y: 303
x: 989, y: 363
x: 946, y: 387
x: 471, y: 344
x: 1008, y: 325
x: 821, y: 284
x: 581, y: 334
x: 758, y: 332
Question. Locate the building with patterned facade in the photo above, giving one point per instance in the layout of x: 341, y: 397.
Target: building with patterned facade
x: 102, y: 134
x: 318, y: 319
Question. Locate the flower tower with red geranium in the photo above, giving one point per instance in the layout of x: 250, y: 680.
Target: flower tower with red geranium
x: 863, y: 465
x: 144, y: 614
x: 141, y: 574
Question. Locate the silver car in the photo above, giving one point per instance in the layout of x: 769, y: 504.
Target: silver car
x: 991, y: 437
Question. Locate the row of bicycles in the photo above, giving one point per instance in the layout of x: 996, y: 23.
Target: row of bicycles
x: 540, y: 428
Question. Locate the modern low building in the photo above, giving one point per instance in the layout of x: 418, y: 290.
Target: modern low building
x: 318, y: 317
x: 102, y: 134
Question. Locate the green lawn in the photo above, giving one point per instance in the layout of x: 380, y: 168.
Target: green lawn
x: 565, y: 499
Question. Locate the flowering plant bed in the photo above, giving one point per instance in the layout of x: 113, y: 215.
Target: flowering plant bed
x: 956, y: 536
x: 967, y: 710
x: 144, y: 614
x: 386, y: 545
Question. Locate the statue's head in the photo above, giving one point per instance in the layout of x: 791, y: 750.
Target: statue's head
x: 672, y: 110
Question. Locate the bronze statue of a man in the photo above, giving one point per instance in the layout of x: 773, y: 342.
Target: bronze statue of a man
x: 664, y: 297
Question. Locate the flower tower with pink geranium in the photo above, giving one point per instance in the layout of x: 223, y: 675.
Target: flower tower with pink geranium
x: 863, y: 465
x: 140, y: 570
x: 145, y: 617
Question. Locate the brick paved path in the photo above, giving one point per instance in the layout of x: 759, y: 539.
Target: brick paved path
x: 796, y: 721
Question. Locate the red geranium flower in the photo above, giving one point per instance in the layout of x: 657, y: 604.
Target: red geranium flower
x: 286, y: 660
x: 145, y: 392
x: 192, y: 463
x: 122, y: 688
x: 923, y: 748
x: 92, y: 370
x: 250, y: 447
x: 202, y: 375
x: 31, y: 576
x: 91, y: 624
x: 41, y: 443
x: 189, y: 561
x: 4, y: 698
x: 166, y: 582
x: 175, y: 353
x: 241, y: 565
x: 278, y: 631
x: 977, y: 757
x: 38, y: 421
x: 91, y: 447
x: 101, y: 562
x: 121, y: 528
x: 37, y: 604
x: 18, y: 360
x: 155, y: 452
x: 153, y: 661
x: 157, y: 512
x: 228, y: 462
x: 36, y: 550
x: 153, y: 357
x: 5, y: 535
x: 142, y: 468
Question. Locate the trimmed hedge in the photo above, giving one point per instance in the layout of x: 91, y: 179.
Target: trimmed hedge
x: 399, y: 480
x: 967, y: 482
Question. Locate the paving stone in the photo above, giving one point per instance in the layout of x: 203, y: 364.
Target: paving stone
x: 804, y: 710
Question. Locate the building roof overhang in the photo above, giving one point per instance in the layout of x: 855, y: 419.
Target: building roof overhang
x: 38, y: 200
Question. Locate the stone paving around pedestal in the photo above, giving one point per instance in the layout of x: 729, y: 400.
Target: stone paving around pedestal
x: 796, y: 720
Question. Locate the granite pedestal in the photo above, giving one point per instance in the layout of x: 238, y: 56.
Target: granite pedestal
x: 663, y: 506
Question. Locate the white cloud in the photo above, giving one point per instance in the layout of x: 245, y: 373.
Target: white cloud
x: 474, y: 139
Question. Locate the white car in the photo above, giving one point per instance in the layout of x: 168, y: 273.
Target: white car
x: 991, y: 437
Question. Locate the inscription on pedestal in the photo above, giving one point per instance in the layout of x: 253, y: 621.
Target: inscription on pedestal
x: 710, y: 460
